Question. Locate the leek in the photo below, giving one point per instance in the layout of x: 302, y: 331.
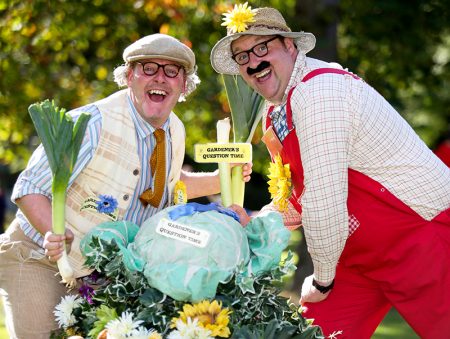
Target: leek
x: 223, y: 136
x: 245, y: 106
x: 61, y: 139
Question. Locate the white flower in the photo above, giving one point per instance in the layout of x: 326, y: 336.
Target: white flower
x: 63, y: 311
x: 122, y: 327
x: 143, y: 333
x: 191, y: 330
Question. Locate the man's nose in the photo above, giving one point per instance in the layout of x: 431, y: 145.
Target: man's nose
x: 253, y: 59
x: 159, y: 75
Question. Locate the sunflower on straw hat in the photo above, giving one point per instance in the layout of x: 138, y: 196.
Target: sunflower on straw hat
x: 243, y: 20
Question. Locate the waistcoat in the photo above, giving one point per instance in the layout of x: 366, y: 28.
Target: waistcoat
x: 113, y: 172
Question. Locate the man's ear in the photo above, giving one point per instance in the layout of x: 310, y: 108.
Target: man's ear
x: 129, y: 75
x: 291, y: 48
x: 184, y: 84
x: 290, y: 45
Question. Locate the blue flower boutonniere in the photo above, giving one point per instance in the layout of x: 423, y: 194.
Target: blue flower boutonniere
x: 106, y: 204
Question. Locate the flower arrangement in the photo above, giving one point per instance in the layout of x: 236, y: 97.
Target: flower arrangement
x: 236, y: 20
x: 121, y: 304
x: 280, y: 186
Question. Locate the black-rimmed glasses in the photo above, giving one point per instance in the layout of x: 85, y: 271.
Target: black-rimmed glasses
x: 151, y: 68
x: 259, y: 50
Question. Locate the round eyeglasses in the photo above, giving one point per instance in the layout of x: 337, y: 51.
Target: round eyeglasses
x: 151, y: 68
x: 260, y: 50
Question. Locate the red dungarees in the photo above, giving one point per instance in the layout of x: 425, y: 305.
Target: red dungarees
x: 394, y: 258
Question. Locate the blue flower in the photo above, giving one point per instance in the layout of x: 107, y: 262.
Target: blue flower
x: 106, y: 204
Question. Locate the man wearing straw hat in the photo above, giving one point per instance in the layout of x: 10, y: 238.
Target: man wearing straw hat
x: 374, y: 201
x: 114, y: 179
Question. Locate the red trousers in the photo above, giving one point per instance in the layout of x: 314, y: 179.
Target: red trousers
x: 395, y: 258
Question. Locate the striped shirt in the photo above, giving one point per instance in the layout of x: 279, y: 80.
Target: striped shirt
x: 37, y: 177
x: 344, y: 123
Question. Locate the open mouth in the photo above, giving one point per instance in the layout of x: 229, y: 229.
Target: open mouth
x: 157, y: 95
x: 263, y: 74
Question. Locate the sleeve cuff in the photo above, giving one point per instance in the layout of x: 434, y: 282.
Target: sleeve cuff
x: 324, y: 273
x: 23, y: 188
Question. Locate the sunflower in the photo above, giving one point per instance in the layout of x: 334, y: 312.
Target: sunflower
x: 209, y: 315
x: 280, y: 185
x: 237, y: 19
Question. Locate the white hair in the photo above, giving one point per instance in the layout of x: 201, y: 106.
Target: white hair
x: 192, y: 80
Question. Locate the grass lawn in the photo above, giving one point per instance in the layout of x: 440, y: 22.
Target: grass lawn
x: 392, y: 327
x: 3, y: 333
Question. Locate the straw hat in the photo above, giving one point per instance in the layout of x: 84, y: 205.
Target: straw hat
x: 267, y: 21
x: 161, y: 46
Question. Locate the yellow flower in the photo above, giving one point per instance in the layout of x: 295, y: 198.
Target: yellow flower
x: 237, y: 19
x: 209, y: 315
x: 179, y: 193
x: 155, y: 335
x: 280, y: 185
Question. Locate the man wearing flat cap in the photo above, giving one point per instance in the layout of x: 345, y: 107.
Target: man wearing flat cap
x: 128, y: 168
x: 373, y: 200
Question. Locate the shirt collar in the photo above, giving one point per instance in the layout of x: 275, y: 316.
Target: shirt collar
x: 143, y: 128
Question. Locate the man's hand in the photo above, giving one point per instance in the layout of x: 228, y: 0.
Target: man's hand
x: 246, y: 170
x: 54, y: 244
x: 310, y: 294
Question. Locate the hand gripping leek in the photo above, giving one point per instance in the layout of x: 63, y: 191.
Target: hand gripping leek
x: 245, y: 105
x: 61, y: 139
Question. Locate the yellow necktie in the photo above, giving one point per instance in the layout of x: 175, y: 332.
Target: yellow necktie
x: 158, y: 167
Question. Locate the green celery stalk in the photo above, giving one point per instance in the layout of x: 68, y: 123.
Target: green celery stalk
x: 245, y: 105
x: 223, y: 136
x: 61, y: 139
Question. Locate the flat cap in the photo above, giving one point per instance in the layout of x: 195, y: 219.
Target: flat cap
x: 161, y: 46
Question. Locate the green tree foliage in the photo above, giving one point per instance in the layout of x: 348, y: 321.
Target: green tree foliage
x: 66, y: 50
x: 55, y: 49
x: 402, y: 48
